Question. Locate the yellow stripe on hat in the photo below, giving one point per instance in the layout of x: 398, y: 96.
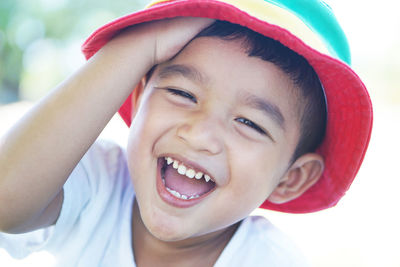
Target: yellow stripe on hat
x: 276, y: 15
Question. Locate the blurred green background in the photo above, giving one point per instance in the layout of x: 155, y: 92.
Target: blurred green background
x: 39, y: 41
x: 40, y: 46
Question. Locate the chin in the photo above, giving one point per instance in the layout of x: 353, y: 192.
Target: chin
x: 165, y: 229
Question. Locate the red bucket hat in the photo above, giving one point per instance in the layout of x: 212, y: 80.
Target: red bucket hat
x: 309, y: 28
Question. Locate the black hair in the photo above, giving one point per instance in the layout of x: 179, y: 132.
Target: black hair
x: 312, y: 98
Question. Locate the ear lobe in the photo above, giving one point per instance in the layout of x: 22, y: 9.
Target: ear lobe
x: 136, y: 96
x: 303, y: 173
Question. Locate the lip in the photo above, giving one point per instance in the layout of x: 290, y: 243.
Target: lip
x: 171, y: 199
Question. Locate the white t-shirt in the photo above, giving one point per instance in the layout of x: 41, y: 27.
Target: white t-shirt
x: 94, y: 226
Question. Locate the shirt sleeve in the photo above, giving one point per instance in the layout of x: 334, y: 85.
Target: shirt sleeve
x: 82, y: 185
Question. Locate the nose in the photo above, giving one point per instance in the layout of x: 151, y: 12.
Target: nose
x: 202, y: 133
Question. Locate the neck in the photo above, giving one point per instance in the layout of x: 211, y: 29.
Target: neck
x: 197, y: 251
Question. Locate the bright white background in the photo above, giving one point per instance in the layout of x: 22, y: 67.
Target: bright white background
x: 364, y: 228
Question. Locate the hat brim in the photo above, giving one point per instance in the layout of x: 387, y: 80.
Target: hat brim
x: 349, y: 119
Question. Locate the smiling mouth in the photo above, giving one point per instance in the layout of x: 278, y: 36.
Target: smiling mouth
x: 184, y: 182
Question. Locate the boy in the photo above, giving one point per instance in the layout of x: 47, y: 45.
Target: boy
x: 223, y: 120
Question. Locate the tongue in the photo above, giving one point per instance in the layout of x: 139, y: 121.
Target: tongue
x: 185, y: 185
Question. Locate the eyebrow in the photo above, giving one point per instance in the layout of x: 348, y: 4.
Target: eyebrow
x: 184, y: 70
x: 268, y: 108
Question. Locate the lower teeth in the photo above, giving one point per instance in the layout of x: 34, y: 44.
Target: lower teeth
x: 179, y: 195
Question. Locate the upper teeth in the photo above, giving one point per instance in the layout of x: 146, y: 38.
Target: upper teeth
x: 183, y: 170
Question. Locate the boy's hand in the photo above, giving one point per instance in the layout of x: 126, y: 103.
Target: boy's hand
x: 161, y: 39
x: 173, y: 34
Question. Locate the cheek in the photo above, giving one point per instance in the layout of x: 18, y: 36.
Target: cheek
x: 255, y: 174
x: 253, y: 188
x: 149, y: 121
x: 142, y: 135
x: 152, y: 125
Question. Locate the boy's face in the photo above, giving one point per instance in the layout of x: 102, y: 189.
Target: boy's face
x: 219, y: 111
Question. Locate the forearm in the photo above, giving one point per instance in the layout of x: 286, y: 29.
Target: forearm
x: 40, y: 151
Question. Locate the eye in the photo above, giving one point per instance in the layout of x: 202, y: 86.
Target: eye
x: 182, y: 94
x: 252, y: 125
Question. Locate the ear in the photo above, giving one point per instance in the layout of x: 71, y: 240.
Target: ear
x: 137, y: 95
x: 302, y: 174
